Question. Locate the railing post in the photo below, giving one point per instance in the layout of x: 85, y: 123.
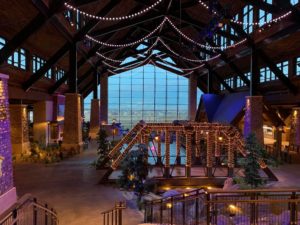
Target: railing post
x: 116, y: 217
x: 252, y: 210
x: 172, y: 210
x: 120, y: 216
x: 197, y: 207
x: 51, y: 220
x: 293, y: 209
x: 161, y: 211
x: 46, y: 215
x: 112, y: 217
x: 208, y: 219
x: 34, y: 213
x: 151, y: 212
x: 104, y: 219
x: 183, y: 210
x: 15, y: 216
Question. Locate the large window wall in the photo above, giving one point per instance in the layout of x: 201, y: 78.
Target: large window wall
x: 148, y: 93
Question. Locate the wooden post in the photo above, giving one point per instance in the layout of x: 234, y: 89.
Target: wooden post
x: 178, y: 145
x: 167, y: 153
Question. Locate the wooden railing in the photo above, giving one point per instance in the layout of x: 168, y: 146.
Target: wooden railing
x: 27, y: 211
x: 226, y: 207
x: 114, y: 215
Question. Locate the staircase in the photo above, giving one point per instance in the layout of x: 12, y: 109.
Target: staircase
x: 28, y: 211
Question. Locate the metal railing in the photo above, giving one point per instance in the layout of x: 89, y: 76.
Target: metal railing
x: 27, y: 211
x: 199, y: 207
x: 114, y: 215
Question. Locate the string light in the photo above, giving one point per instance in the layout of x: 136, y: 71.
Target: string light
x: 188, y: 59
x: 74, y: 9
x: 183, y: 69
x: 128, y: 44
x: 275, y: 20
x: 208, y: 47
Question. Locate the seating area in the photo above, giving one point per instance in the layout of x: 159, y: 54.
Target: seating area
x: 166, y: 112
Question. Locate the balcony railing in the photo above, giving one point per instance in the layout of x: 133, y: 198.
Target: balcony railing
x: 114, y: 215
x: 244, y: 207
x: 27, y: 211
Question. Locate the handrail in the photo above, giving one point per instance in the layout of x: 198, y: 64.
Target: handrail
x: 251, y: 206
x: 113, y: 216
x: 27, y: 211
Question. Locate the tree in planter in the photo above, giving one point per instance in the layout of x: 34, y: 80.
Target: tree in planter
x: 103, y: 149
x: 134, y: 172
x: 257, y: 157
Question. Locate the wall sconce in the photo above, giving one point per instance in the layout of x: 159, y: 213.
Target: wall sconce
x: 1, y: 161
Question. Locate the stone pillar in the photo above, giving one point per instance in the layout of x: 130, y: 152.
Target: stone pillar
x: 209, y: 150
x: 95, y: 118
x: 192, y: 106
x: 8, y: 194
x: 188, y: 146
x: 178, y: 145
x: 104, y: 98
x: 72, y: 141
x: 167, y: 153
x: 198, y: 152
x: 42, y: 116
x: 253, y: 122
x: 158, y: 141
x: 19, y: 130
x: 295, y: 127
x: 230, y: 158
x: 278, y: 138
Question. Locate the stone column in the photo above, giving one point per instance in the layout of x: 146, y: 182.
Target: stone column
x: 278, y: 138
x: 295, y: 127
x: 104, y: 98
x: 230, y: 158
x: 209, y: 150
x: 158, y: 141
x: 42, y: 116
x: 192, y: 106
x: 253, y: 122
x: 178, y: 145
x: 188, y: 146
x: 19, y: 130
x: 95, y: 118
x: 8, y: 194
x: 198, y: 152
x: 167, y: 153
x: 72, y: 141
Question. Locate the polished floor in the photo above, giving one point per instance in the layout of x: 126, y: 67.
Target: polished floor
x: 72, y: 188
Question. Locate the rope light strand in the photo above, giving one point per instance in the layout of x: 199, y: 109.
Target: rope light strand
x: 208, y: 47
x: 131, y: 43
x: 70, y: 7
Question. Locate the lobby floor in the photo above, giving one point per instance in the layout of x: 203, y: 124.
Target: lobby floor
x: 71, y: 188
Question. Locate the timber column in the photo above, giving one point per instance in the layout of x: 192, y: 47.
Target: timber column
x: 19, y: 130
x: 230, y: 158
x: 167, y: 153
x: 198, y: 148
x: 253, y: 122
x: 8, y: 194
x: 158, y: 141
x: 178, y: 145
x: 192, y: 97
x: 104, y: 98
x: 209, y: 150
x: 72, y: 141
x: 95, y: 110
x: 188, y: 145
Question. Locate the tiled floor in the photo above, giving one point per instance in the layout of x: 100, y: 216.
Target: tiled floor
x: 72, y: 188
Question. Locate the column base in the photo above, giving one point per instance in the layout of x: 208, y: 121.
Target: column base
x: 188, y: 171
x: 178, y: 161
x: 159, y: 161
x: 167, y: 172
x: 209, y: 171
x: 20, y: 149
x: 71, y: 149
x: 94, y: 133
x: 230, y: 172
